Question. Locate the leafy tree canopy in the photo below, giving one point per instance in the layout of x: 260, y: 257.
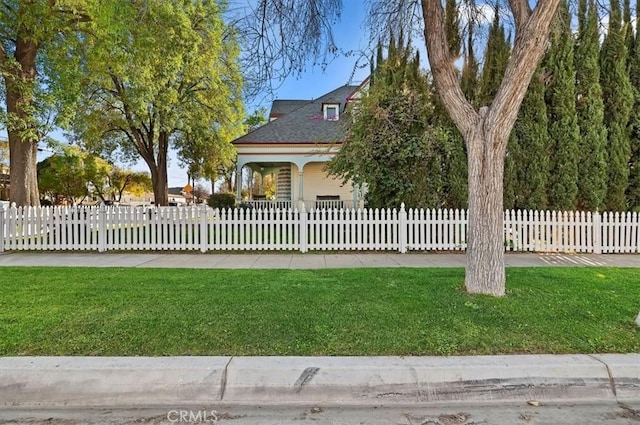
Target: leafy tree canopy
x: 391, y: 143
x: 144, y: 93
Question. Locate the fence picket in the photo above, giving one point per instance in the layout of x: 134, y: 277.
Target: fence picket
x: 200, y: 228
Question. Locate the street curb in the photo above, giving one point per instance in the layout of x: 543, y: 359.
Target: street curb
x: 176, y: 381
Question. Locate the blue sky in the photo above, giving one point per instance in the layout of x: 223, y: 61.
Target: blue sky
x: 351, y: 66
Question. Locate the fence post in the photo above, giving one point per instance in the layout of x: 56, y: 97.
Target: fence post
x: 402, y: 228
x: 204, y: 234
x: 597, y: 232
x: 303, y: 229
x: 2, y: 230
x: 102, y: 228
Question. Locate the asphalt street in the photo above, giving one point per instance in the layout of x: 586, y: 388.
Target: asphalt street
x: 496, y: 414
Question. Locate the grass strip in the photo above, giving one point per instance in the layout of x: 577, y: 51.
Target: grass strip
x: 162, y: 312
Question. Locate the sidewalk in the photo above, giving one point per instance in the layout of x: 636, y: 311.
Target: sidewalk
x: 301, y: 261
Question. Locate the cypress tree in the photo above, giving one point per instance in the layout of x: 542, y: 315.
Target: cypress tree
x: 627, y: 30
x: 592, y: 155
x: 563, y: 119
x: 469, y: 78
x: 633, y: 188
x: 455, y: 191
x: 532, y: 159
x: 452, y: 27
x: 618, y: 102
x: 495, y: 62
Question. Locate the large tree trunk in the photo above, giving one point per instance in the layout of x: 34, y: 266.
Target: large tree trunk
x: 159, y: 183
x: 22, y: 131
x: 486, y: 131
x: 23, y: 180
x: 485, y: 234
x: 159, y: 171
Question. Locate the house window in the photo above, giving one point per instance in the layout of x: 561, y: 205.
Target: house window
x: 331, y: 112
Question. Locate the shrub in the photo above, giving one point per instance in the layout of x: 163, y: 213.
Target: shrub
x: 222, y: 200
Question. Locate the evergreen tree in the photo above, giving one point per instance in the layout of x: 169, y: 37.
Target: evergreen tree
x: 563, y: 119
x: 469, y: 78
x: 452, y: 25
x: 618, y: 102
x: 633, y: 188
x: 627, y: 29
x: 452, y: 150
x: 531, y: 132
x: 495, y: 62
x: 391, y: 145
x: 592, y: 155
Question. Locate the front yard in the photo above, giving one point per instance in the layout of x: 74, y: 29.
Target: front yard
x: 133, y: 312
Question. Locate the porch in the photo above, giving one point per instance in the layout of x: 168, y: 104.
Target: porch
x: 292, y: 184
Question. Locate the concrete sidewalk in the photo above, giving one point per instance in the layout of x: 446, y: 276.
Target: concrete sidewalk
x: 327, y: 381
x: 300, y: 261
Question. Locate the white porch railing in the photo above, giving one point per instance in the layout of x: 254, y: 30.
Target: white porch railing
x: 204, y: 229
x: 309, y: 205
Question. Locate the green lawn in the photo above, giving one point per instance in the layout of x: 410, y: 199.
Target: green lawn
x: 109, y: 312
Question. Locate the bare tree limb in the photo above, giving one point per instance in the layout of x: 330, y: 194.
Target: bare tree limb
x: 3, y: 57
x: 530, y: 44
x: 442, y: 65
x: 521, y: 12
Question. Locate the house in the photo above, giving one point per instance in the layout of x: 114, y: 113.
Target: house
x: 295, y: 146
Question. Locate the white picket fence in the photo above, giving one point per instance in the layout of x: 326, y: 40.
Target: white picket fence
x: 204, y: 229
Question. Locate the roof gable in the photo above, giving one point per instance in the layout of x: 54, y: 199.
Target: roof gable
x: 302, y: 122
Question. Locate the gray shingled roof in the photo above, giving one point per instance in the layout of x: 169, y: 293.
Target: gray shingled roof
x: 281, y: 107
x: 303, y: 124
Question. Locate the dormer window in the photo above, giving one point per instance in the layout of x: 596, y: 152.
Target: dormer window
x: 331, y: 111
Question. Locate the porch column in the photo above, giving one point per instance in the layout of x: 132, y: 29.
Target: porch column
x: 239, y: 184
x: 300, y: 186
x: 261, y: 187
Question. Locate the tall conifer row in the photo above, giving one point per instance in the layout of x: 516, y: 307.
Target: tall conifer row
x: 452, y: 150
x: 592, y: 155
x: 633, y: 188
x: 627, y: 29
x: 495, y: 62
x: 618, y: 102
x: 452, y: 27
x: 563, y: 120
x: 469, y: 77
x: 532, y: 159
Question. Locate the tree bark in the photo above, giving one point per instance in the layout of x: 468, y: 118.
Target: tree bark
x: 158, y: 168
x: 22, y: 132
x: 23, y: 180
x: 486, y: 131
x: 160, y: 186
x: 485, y: 271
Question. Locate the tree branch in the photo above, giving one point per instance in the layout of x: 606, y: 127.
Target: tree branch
x: 444, y: 71
x: 529, y: 46
x: 521, y: 12
x: 3, y: 57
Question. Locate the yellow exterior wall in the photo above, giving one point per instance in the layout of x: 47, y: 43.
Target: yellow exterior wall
x: 316, y: 182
